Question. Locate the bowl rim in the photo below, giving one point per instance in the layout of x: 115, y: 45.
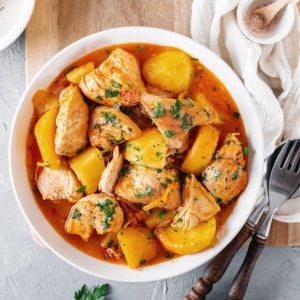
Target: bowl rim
x: 38, y: 223
x: 18, y: 27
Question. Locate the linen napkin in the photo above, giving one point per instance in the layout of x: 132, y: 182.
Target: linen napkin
x: 271, y: 74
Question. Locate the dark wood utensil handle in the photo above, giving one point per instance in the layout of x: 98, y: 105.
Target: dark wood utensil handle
x: 240, y: 282
x: 217, y: 267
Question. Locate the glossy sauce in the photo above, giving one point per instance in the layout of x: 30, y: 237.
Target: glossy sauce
x: 202, y: 80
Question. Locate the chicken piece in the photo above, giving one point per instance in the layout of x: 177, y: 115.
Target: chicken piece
x: 71, y: 122
x: 116, y: 81
x: 232, y: 149
x: 108, y: 215
x: 58, y: 184
x: 225, y: 177
x: 143, y: 185
x: 79, y: 220
x: 96, y: 211
x: 174, y: 118
x: 108, y: 126
x: 110, y: 174
x: 198, y: 205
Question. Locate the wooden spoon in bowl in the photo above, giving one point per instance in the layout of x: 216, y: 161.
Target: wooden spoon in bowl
x: 268, y: 12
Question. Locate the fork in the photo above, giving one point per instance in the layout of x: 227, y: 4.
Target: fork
x: 283, y: 182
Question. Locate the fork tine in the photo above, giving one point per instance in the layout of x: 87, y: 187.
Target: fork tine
x: 281, y: 157
x: 296, y: 159
x: 287, y: 164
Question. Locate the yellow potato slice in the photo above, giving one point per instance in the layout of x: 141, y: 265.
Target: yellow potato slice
x: 170, y: 70
x: 138, y: 245
x: 43, y: 101
x: 44, y: 132
x: 158, y: 216
x: 74, y: 76
x: 202, y: 150
x: 149, y: 150
x: 88, y: 167
x: 183, y: 242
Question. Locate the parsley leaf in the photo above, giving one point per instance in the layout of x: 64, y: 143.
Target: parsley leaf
x: 97, y: 293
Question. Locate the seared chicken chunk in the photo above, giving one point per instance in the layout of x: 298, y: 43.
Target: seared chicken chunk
x: 143, y: 185
x: 96, y: 211
x: 174, y: 118
x: 116, y: 81
x: 109, y: 126
x: 58, y: 184
x: 225, y: 177
x: 198, y: 205
x: 71, y: 122
x: 110, y: 174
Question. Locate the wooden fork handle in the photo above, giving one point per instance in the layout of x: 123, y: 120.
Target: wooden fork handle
x: 217, y: 267
x: 240, y: 282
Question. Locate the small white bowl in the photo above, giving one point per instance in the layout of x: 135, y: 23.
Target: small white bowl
x: 14, y: 17
x: 284, y: 24
x: 44, y: 233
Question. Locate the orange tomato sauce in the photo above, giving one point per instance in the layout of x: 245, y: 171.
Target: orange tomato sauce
x: 202, y: 80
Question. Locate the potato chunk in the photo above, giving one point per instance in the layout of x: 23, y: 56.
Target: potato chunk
x: 169, y: 70
x: 44, y: 131
x: 138, y: 245
x: 180, y: 241
x: 202, y: 150
x: 88, y: 167
x: 44, y: 101
x: 149, y: 150
x: 74, y: 76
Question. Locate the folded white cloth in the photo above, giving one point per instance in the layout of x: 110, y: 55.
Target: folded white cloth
x: 271, y: 74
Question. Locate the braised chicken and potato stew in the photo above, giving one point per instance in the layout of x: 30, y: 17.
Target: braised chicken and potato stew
x: 136, y: 154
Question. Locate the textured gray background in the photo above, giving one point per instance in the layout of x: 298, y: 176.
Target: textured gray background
x: 30, y: 272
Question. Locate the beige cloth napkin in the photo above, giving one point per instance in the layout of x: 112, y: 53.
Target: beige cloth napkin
x: 271, y: 74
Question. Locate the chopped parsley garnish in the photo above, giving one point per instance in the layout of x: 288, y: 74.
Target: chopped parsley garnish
x: 169, y: 133
x: 158, y: 111
x: 187, y: 122
x: 76, y: 214
x: 149, y: 191
x: 116, y: 84
x: 81, y: 189
x: 108, y: 117
x: 246, y: 150
x: 109, y: 209
x: 162, y: 214
x: 236, y: 114
x: 98, y: 97
x: 175, y: 109
x: 140, y: 48
x: 109, y: 93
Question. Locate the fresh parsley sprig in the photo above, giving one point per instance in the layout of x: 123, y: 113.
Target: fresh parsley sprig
x: 96, y: 293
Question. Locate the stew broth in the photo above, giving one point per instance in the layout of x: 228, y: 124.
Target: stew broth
x: 202, y: 80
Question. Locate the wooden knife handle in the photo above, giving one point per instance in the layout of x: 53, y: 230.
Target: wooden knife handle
x: 240, y: 282
x: 217, y: 267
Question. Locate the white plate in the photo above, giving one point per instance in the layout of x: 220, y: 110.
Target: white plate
x: 24, y: 193
x: 14, y: 17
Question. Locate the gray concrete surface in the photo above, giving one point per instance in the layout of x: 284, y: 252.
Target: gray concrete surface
x: 30, y: 272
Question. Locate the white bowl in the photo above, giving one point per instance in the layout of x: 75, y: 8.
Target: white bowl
x: 283, y: 26
x: 14, y: 17
x: 24, y: 194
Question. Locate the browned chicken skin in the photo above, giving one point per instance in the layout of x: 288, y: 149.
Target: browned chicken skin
x: 116, y: 81
x: 225, y: 177
x: 71, y: 122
